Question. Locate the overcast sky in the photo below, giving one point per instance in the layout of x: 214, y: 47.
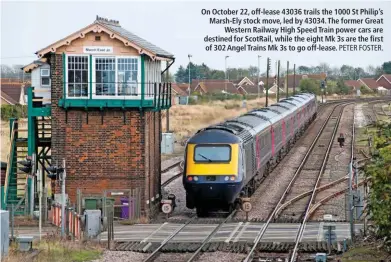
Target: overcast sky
x: 177, y: 27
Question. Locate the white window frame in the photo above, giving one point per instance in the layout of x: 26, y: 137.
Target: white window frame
x: 94, y: 96
x: 46, y: 76
x: 66, y: 77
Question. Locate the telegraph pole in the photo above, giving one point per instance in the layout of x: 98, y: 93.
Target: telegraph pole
x: 189, y: 55
x: 294, y: 79
x: 63, y: 178
x: 168, y: 110
x: 278, y: 80
x: 258, y: 75
x: 267, y: 81
x: 287, y: 79
x: 226, y: 75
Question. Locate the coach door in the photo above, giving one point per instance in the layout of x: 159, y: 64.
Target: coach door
x: 272, y: 133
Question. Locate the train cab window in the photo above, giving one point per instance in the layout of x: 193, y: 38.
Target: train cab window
x: 212, y: 153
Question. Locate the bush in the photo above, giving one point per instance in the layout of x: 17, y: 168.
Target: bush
x: 341, y: 88
x: 205, y: 98
x: 309, y: 86
x: 379, y: 172
x: 13, y: 111
x: 365, y: 91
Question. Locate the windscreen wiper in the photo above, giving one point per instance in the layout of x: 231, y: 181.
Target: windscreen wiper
x: 210, y: 160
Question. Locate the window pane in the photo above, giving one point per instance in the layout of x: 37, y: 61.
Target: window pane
x: 77, y: 89
x: 127, y: 74
x: 99, y: 89
x: 84, y: 89
x: 83, y: 76
x: 105, y: 76
x: 77, y: 76
x: 45, y: 81
x: 71, y: 91
x: 212, y: 153
x: 71, y: 76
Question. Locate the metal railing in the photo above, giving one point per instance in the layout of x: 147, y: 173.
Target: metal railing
x: 72, y: 220
x: 9, y: 162
x: 159, y: 93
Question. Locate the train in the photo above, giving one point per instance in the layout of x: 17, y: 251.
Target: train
x: 226, y: 162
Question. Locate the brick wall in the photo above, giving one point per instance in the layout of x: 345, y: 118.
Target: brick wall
x: 112, y: 155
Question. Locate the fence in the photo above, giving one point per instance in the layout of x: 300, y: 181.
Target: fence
x: 130, y: 207
x: 72, y: 223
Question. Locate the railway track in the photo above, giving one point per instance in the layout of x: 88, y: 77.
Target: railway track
x: 315, y: 162
x: 324, y: 136
x: 170, y: 178
x: 311, y: 201
x: 198, y: 248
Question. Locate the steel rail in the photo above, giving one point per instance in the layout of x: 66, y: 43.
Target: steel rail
x: 171, y: 166
x: 198, y: 251
x: 177, y: 175
x: 288, y: 188
x: 152, y: 256
x: 312, y: 198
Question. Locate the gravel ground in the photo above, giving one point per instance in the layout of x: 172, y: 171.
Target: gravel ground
x: 176, y: 188
x: 221, y: 256
x: 270, y: 191
x: 173, y: 257
x: 121, y: 256
x: 360, y: 118
x: 171, y: 161
x: 337, y: 166
x: 173, y: 171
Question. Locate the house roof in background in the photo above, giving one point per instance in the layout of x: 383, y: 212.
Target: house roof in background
x: 386, y: 76
x: 218, y: 86
x: 369, y: 82
x: 7, y: 98
x: 353, y: 83
x: 12, y: 90
x: 178, y: 90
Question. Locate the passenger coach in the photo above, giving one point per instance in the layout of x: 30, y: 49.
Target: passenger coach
x: 227, y: 161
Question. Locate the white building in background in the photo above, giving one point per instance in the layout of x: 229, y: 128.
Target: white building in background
x: 40, y: 79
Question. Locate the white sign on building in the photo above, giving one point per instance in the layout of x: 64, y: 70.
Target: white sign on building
x: 98, y: 49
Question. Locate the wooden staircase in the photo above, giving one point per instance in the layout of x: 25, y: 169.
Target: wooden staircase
x: 15, y: 186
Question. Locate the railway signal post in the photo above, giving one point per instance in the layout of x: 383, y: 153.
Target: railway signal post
x: 267, y: 82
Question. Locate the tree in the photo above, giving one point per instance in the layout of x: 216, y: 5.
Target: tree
x: 303, y: 70
x: 14, y: 71
x: 180, y: 75
x: 365, y: 90
x: 387, y: 67
x: 309, y: 85
x: 341, y: 88
x: 379, y: 173
x: 252, y: 71
x: 169, y: 79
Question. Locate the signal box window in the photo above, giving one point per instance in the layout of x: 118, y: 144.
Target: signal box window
x: 209, y: 153
x: 45, y: 77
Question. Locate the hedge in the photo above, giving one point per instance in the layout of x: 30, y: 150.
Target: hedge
x: 13, y: 111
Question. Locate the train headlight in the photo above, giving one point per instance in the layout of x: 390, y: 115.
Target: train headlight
x: 226, y: 178
x: 195, y: 178
x: 189, y: 178
x: 232, y: 178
